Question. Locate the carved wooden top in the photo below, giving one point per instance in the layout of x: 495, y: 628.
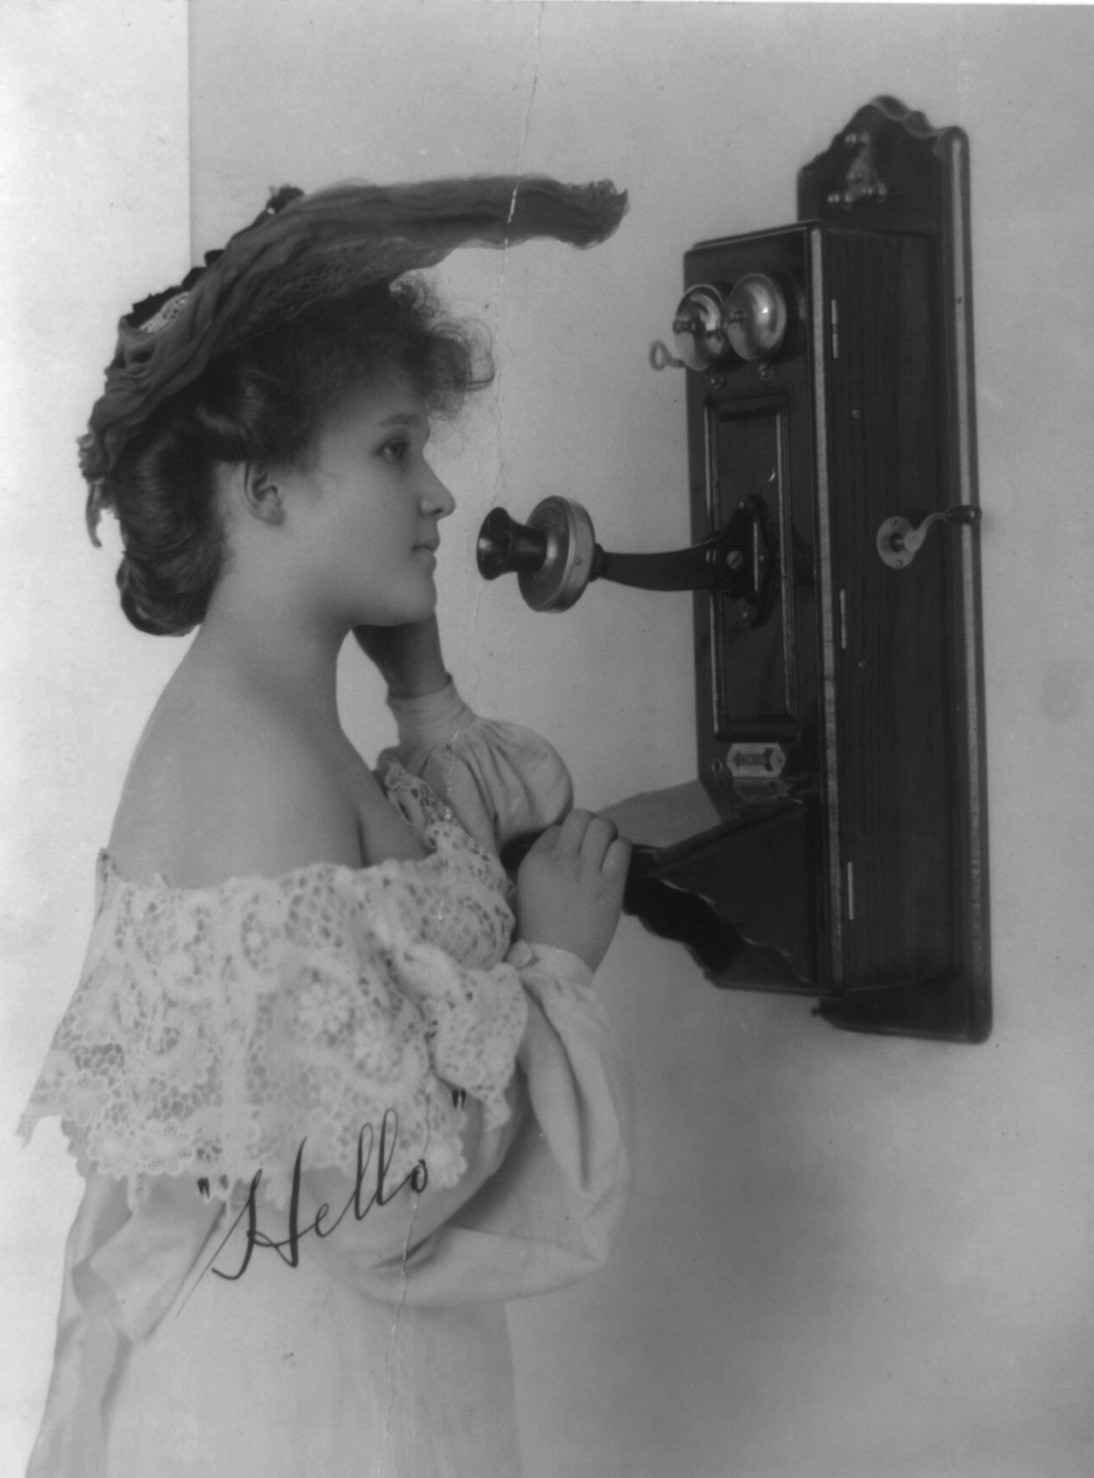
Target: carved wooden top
x: 888, y: 169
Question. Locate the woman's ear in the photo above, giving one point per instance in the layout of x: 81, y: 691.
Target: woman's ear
x: 262, y: 493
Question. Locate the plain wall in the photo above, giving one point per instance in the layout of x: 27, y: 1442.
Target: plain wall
x: 846, y: 1257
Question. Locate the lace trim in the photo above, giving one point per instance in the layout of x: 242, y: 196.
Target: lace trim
x: 215, y: 1030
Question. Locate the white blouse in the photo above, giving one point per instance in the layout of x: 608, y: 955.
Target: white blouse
x: 328, y: 1122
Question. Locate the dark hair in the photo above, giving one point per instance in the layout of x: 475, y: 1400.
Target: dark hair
x: 266, y: 400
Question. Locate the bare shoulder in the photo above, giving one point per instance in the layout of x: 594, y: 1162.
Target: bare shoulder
x: 229, y: 789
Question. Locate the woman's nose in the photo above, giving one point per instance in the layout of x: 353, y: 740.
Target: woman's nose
x: 436, y: 500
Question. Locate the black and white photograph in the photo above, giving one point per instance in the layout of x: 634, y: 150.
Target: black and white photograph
x: 548, y: 643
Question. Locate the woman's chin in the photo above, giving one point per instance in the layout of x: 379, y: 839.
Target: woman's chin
x: 409, y: 614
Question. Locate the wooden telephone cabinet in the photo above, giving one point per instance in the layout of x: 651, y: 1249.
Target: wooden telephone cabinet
x: 834, y: 843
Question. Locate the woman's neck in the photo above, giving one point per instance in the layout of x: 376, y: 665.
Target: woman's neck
x: 290, y: 661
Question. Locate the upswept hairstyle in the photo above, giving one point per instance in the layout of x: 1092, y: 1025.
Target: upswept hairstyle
x: 266, y: 400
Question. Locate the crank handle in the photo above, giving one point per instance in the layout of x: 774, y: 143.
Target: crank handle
x: 899, y: 541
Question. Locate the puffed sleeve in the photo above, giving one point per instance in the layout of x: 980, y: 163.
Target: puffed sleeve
x: 548, y: 1212
x: 502, y: 780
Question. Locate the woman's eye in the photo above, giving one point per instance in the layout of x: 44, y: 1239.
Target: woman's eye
x: 395, y: 451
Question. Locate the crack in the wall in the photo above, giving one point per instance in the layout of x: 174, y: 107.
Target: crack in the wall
x: 404, y: 1286
x: 967, y: 49
x: 522, y: 143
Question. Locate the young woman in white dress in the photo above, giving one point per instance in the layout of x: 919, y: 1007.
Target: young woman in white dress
x: 338, y: 1088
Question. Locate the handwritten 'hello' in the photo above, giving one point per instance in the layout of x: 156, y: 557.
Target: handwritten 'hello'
x: 288, y: 1248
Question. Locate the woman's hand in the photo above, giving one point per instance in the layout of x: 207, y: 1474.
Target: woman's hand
x: 570, y: 887
x: 409, y: 657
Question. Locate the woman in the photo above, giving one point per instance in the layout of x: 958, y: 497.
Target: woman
x: 333, y: 1101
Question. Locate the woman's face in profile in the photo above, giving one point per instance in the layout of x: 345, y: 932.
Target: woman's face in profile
x: 366, y: 509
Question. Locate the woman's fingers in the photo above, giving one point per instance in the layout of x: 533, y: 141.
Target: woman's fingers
x: 600, y: 836
x: 587, y: 837
x: 573, y: 830
x: 617, y: 859
x: 546, y: 840
x: 593, y: 840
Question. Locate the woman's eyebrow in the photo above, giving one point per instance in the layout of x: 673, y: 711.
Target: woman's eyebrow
x: 403, y: 418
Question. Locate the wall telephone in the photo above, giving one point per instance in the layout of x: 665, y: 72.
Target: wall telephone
x: 834, y: 842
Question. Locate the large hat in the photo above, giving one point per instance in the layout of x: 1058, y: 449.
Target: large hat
x: 304, y: 249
